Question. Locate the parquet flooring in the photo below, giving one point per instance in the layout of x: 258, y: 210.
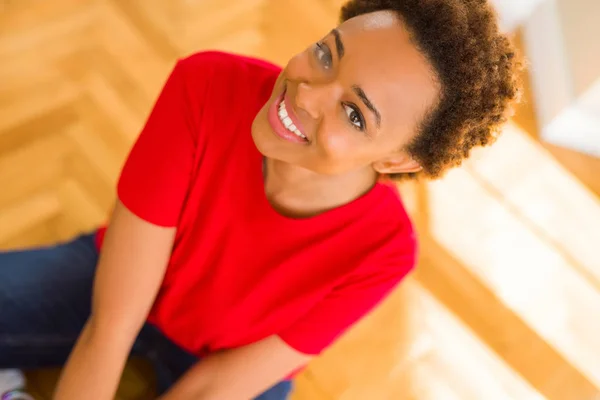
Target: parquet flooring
x: 506, y: 298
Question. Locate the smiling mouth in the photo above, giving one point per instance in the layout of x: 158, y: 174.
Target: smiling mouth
x: 282, y: 113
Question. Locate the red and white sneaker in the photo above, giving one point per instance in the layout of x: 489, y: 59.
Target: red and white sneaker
x: 16, y: 395
x: 11, y: 383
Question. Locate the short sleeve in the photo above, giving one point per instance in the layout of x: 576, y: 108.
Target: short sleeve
x: 155, y: 177
x: 349, y: 302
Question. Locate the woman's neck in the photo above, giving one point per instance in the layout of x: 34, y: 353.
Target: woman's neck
x: 297, y: 192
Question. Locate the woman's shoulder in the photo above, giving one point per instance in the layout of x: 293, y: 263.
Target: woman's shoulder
x: 389, y: 208
x: 226, y: 84
x: 216, y: 64
x: 392, y: 225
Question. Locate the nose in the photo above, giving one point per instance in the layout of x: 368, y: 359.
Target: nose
x: 313, y: 98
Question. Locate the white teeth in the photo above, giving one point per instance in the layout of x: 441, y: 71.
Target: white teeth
x: 287, y: 121
x: 298, y: 133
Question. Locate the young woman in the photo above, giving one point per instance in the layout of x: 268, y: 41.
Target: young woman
x: 254, y: 223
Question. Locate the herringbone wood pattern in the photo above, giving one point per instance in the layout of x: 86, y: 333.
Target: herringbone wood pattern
x: 505, y: 302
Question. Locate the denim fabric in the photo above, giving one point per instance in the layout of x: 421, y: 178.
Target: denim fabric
x: 45, y: 300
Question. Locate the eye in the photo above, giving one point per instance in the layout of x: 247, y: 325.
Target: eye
x: 323, y: 54
x: 355, y: 117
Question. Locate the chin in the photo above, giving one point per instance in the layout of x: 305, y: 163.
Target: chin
x: 259, y: 130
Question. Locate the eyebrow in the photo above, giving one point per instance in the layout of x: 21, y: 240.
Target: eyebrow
x: 361, y: 94
x: 339, y: 45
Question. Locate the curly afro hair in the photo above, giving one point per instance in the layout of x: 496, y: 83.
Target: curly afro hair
x: 475, y: 66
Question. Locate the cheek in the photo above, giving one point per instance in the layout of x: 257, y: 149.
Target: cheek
x: 338, y: 143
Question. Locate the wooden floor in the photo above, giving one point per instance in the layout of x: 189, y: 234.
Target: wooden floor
x: 505, y: 303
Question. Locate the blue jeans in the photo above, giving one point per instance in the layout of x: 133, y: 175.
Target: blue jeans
x: 45, y: 296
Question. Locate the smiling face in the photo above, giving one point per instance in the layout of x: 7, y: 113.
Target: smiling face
x: 351, y: 101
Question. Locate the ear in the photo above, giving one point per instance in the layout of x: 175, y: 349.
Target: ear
x: 397, y: 164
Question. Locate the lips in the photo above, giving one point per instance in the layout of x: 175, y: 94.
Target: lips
x: 292, y: 113
x: 284, y: 121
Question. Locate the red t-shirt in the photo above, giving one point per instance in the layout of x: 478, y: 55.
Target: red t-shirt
x: 240, y: 271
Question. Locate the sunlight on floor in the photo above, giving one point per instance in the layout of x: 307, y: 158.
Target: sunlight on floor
x: 550, y: 282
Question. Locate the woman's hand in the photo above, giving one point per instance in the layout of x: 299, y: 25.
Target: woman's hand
x: 239, y: 374
x: 130, y: 270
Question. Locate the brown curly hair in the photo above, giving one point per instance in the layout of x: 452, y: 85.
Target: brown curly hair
x: 475, y: 66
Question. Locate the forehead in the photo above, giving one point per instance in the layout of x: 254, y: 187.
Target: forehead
x: 381, y: 58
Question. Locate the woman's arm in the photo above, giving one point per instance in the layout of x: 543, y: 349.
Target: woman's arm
x: 239, y: 374
x: 130, y: 269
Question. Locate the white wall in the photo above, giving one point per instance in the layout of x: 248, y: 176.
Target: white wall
x: 562, y: 41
